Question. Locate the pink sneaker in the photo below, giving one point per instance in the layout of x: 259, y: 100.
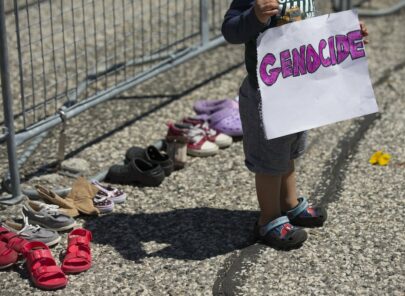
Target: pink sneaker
x: 214, y: 136
x: 197, y: 140
x: 114, y: 194
x: 103, y: 204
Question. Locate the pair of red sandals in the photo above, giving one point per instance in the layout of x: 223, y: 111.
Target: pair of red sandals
x: 41, y: 265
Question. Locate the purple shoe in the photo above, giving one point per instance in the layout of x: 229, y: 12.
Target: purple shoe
x: 211, y: 106
x: 226, y: 121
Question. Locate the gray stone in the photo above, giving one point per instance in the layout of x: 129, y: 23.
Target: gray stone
x: 79, y: 165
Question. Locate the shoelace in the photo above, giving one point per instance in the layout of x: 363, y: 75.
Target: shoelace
x: 196, y: 134
x: 206, y: 127
x: 52, y: 210
x: 28, y: 227
x: 104, y: 190
x: 100, y: 199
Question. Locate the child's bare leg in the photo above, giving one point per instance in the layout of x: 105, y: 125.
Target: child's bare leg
x: 306, y: 215
x: 288, y: 195
x: 268, y: 195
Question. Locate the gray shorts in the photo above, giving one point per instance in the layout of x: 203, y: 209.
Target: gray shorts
x: 265, y: 156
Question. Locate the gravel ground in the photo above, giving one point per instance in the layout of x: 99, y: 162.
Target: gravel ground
x: 181, y: 239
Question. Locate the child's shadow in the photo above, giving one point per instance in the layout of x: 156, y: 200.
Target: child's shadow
x: 192, y: 234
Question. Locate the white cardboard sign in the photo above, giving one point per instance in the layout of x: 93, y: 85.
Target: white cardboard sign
x: 313, y: 73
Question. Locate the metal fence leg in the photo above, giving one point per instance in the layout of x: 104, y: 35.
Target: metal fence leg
x: 341, y: 5
x: 204, y: 24
x: 346, y: 5
x: 8, y: 114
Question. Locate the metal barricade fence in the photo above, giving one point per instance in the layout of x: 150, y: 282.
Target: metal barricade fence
x: 340, y: 5
x: 59, y: 58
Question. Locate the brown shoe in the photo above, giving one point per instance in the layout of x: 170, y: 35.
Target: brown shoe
x: 82, y: 195
x: 66, y: 206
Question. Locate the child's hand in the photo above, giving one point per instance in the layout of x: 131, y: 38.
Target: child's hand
x: 364, y: 31
x: 265, y: 9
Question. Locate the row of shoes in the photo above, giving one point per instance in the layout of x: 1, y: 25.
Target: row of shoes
x: 204, y: 134
x: 39, y: 261
x: 89, y: 198
x: 40, y: 222
x: 43, y: 219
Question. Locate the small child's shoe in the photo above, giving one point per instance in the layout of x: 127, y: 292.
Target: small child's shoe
x: 280, y: 234
x: 306, y: 215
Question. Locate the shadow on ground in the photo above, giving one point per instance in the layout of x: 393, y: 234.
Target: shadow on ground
x: 190, y: 234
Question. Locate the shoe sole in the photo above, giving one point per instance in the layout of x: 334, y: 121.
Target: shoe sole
x: 52, y: 243
x: 119, y: 199
x: 202, y: 153
x: 223, y: 145
x: 6, y: 266
x: 285, y: 247
x: 63, y: 228
x: 105, y: 210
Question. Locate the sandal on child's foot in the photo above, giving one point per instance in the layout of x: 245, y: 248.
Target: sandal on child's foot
x: 306, y: 215
x: 280, y: 234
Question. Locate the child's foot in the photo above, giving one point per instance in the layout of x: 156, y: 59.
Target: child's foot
x: 280, y: 234
x: 306, y: 215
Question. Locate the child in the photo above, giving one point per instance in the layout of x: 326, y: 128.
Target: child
x: 272, y: 161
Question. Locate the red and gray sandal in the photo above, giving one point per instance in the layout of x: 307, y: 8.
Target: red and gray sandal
x: 13, y: 240
x: 78, y: 254
x: 8, y: 256
x: 41, y: 265
x: 306, y: 215
x: 280, y: 234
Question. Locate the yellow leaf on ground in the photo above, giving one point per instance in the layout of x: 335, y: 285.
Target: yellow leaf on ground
x: 374, y: 158
x: 380, y: 158
x: 384, y: 159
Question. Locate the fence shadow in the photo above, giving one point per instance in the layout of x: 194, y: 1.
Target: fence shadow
x: 190, y: 234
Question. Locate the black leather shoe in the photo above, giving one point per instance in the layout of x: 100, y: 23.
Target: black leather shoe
x: 151, y: 154
x: 137, y: 171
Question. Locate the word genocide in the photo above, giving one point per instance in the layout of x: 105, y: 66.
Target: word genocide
x: 308, y: 59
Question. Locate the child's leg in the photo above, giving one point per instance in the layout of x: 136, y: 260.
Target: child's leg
x: 297, y: 209
x: 268, y: 195
x: 288, y: 195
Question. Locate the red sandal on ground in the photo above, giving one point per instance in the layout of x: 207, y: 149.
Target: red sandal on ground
x: 13, y: 240
x: 42, y: 268
x: 78, y: 254
x: 8, y: 256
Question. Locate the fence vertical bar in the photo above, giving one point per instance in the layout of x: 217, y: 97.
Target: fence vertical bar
x: 8, y: 113
x: 346, y: 5
x: 342, y: 5
x: 204, y: 23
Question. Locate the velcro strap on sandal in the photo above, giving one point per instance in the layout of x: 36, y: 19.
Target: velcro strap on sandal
x: 17, y: 243
x: 273, y: 224
x: 83, y: 254
x: 8, y: 236
x: 42, y: 270
x: 4, y: 249
x: 39, y: 254
x: 27, y: 248
x: 79, y: 240
x: 78, y: 254
x: 3, y: 230
x: 303, y: 205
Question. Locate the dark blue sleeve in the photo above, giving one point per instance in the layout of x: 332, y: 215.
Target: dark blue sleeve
x: 240, y: 22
